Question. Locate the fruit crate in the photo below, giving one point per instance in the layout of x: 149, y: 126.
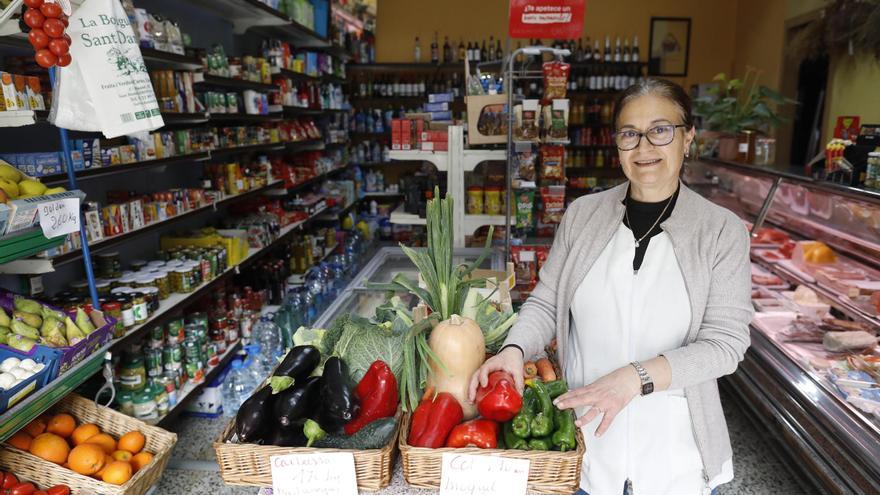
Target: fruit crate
x: 45, y: 473
x: 27, y: 243
x: 47, y: 357
x: 71, y: 355
x: 247, y: 464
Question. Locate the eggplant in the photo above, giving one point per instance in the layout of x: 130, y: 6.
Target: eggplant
x: 286, y: 437
x: 252, y: 420
x: 295, y: 403
x: 338, y: 404
x: 299, y: 362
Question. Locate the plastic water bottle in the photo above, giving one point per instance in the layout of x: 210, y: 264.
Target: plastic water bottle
x: 255, y: 364
x: 268, y: 336
x: 235, y: 388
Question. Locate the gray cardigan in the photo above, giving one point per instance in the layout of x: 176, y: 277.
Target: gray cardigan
x: 712, y: 248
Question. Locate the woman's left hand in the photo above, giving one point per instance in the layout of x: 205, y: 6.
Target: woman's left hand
x: 607, y: 395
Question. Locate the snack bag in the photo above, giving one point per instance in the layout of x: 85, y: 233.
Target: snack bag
x: 555, y: 80
x: 552, y: 163
x: 525, y: 208
x: 553, y: 198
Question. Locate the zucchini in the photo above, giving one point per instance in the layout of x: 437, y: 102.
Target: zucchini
x: 373, y: 436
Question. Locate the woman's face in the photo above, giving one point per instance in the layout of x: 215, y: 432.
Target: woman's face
x: 649, y: 166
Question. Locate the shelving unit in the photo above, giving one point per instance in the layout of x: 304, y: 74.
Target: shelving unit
x: 167, y: 60
x: 230, y: 83
x: 94, y: 173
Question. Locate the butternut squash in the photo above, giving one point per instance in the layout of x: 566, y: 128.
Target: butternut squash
x: 459, y: 345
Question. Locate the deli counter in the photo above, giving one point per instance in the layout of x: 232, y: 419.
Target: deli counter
x: 811, y: 378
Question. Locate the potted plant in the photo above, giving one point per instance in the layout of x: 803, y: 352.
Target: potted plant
x: 735, y: 106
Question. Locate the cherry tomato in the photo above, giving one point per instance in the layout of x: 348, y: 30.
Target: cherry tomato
x: 64, y: 60
x: 34, y: 18
x: 34, y: 4
x: 24, y: 489
x: 51, y: 10
x: 64, y: 20
x: 40, y: 492
x: 45, y: 58
x: 59, y: 490
x: 9, y: 480
x: 53, y: 27
x: 38, y: 38
x: 59, y: 46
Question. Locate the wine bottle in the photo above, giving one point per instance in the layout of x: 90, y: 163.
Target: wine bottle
x: 490, y: 55
x: 635, y: 51
x: 435, y: 50
x: 462, y: 53
x: 484, y: 54
x: 626, y: 52
x: 418, y: 50
x: 588, y: 52
x: 607, y: 57
x: 597, y: 55
x: 447, y: 52
x: 618, y: 55
x: 499, y: 53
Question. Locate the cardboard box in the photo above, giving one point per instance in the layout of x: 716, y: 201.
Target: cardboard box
x: 10, y: 101
x: 441, y: 98
x: 21, y: 92
x: 476, y: 106
x: 441, y: 115
x: 437, y: 107
x: 396, y: 137
x: 434, y: 136
x: 406, y: 134
x: 35, y: 95
x: 47, y: 164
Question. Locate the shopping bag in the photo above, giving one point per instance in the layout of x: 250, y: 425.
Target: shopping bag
x: 107, y: 86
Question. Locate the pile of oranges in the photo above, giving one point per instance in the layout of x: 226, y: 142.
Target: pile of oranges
x: 84, y: 448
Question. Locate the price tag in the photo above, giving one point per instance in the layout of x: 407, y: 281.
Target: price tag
x: 59, y: 217
x: 314, y: 474
x: 483, y: 475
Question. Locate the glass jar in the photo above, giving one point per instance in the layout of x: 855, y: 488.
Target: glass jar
x: 170, y: 390
x: 152, y: 296
x: 139, y: 307
x: 174, y: 331
x: 193, y: 363
x: 126, y: 280
x: 180, y: 281
x: 153, y: 362
x: 872, y: 174
x: 155, y: 264
x: 102, y: 287
x: 80, y: 287
x: 125, y: 399
x: 194, y: 269
x: 745, y: 146
x: 145, y: 406
x: 162, y: 282
x: 475, y: 200
x: 108, y: 265
x: 137, y: 265
x: 160, y: 395
x: 126, y: 310
x: 172, y: 357
x: 114, y: 309
x: 133, y: 376
x: 493, y: 200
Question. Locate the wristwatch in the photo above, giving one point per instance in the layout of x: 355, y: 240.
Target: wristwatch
x: 647, y: 382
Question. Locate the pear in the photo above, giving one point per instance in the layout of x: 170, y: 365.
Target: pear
x: 55, y: 338
x: 4, y: 318
x: 20, y: 328
x: 28, y: 305
x: 5, y: 332
x: 10, y: 188
x: 29, y: 319
x: 50, y: 323
x: 23, y: 344
x: 74, y: 334
x: 84, y: 322
x: 47, y: 312
x: 9, y: 172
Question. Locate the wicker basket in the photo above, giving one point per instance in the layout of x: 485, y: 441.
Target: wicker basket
x: 246, y: 464
x: 549, y: 471
x: 45, y: 474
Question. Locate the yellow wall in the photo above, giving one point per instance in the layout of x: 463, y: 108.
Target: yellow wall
x: 854, y: 89
x: 760, y: 37
x: 713, y: 28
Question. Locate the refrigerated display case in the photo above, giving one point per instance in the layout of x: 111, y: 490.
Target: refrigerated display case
x: 821, y: 408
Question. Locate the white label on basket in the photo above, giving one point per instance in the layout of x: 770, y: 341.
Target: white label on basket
x: 59, y: 217
x: 314, y: 474
x: 480, y: 474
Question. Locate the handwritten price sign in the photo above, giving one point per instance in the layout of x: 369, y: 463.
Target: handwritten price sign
x: 483, y: 475
x: 59, y: 217
x: 314, y: 474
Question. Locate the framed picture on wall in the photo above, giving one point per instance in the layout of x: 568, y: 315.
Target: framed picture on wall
x: 670, y: 43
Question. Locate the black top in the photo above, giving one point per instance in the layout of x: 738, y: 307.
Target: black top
x: 642, y: 216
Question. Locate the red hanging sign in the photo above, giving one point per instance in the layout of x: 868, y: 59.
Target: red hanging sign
x: 556, y: 19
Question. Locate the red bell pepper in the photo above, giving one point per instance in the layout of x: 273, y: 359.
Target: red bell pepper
x: 433, y: 420
x: 377, y: 393
x: 499, y: 400
x: 482, y: 433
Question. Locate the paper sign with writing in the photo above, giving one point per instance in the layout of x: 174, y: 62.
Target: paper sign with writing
x: 483, y: 475
x: 59, y: 217
x: 314, y: 474
x: 557, y: 19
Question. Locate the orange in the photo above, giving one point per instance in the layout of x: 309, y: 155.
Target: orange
x: 105, y: 441
x: 50, y: 447
x: 122, y: 455
x: 21, y: 440
x: 132, y: 441
x: 36, y: 427
x: 117, y: 473
x: 86, y: 459
x: 84, y: 432
x: 141, y: 460
x: 62, y: 425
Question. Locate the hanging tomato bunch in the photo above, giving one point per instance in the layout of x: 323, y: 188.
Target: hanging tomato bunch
x: 47, y: 23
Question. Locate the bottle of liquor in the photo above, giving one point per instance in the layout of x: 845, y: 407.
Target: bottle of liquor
x: 447, y: 51
x: 635, y: 52
x: 484, y: 54
x: 499, y: 53
x: 470, y: 52
x: 618, y: 55
x: 597, y: 55
x: 418, y: 50
x: 435, y: 50
x: 579, y: 51
x: 490, y: 55
x: 626, y: 52
x: 462, y: 53
x: 607, y: 57
x: 519, y: 56
x: 588, y: 52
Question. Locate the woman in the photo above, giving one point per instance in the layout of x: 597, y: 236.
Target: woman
x: 647, y: 291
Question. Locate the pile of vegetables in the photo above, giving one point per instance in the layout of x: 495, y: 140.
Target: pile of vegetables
x: 314, y: 404
x: 32, y: 323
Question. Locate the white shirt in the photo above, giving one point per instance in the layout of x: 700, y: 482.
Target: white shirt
x: 619, y: 317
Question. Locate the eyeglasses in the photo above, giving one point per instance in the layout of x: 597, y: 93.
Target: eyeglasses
x: 659, y: 135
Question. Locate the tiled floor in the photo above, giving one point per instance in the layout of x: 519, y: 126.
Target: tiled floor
x: 757, y: 470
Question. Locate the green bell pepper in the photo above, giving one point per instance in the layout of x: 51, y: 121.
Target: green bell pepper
x: 522, y: 422
x: 556, y: 388
x: 542, y: 443
x: 564, y: 437
x: 542, y: 424
x: 511, y: 440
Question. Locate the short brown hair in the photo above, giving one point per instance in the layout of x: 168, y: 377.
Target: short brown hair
x: 657, y: 87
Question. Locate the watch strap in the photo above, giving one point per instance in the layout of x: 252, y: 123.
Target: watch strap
x: 644, y: 377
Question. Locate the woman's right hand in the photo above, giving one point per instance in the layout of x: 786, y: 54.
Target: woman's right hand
x: 510, y: 359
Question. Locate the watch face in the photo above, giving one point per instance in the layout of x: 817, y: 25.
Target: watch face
x: 647, y: 388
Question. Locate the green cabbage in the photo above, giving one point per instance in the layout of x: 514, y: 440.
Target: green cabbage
x: 362, y: 342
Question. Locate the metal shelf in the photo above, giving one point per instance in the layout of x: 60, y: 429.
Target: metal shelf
x: 167, y: 60
x: 440, y: 159
x: 94, y: 173
x: 185, y: 118
x: 298, y: 111
x: 252, y: 14
x: 238, y: 150
x: 243, y: 117
x: 296, y: 76
x: 230, y: 83
x: 316, y: 178
x: 17, y: 118
x: 109, y: 242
